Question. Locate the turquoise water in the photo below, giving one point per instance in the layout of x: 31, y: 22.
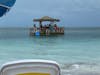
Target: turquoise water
x: 77, y: 52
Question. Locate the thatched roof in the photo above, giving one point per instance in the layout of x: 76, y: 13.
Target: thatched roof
x: 46, y: 18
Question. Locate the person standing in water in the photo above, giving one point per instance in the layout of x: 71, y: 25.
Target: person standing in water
x: 34, y: 28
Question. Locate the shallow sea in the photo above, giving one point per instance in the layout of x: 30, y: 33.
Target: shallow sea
x: 77, y: 52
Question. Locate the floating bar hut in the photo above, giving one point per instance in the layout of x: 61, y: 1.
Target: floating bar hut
x: 50, y: 29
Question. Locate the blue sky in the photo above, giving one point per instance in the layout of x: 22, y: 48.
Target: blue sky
x: 73, y: 13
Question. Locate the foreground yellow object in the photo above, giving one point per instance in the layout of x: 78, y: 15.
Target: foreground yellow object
x: 31, y: 67
x: 34, y: 74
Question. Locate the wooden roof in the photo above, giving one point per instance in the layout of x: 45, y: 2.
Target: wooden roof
x: 46, y: 18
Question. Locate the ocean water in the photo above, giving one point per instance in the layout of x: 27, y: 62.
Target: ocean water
x: 77, y: 52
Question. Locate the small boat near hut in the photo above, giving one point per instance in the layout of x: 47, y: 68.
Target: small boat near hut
x: 48, y: 29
